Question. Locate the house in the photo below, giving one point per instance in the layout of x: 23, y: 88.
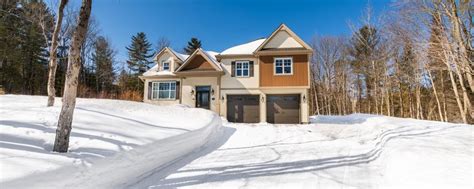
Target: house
x: 265, y: 80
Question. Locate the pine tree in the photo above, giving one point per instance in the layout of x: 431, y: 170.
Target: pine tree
x: 193, y: 45
x: 23, y: 54
x: 103, y: 58
x: 139, y: 54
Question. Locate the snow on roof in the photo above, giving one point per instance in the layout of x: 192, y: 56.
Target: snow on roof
x: 182, y: 57
x: 153, y: 71
x: 246, y: 48
x: 212, y: 56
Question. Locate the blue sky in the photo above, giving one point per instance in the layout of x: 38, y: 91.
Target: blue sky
x: 220, y: 24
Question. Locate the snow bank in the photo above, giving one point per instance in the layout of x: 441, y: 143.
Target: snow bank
x: 112, y: 142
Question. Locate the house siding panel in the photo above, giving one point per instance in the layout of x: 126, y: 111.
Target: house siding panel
x: 298, y: 78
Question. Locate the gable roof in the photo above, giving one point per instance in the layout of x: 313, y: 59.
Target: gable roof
x: 284, y: 28
x: 177, y: 55
x: 208, y: 56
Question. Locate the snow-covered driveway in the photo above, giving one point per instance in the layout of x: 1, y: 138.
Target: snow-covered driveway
x: 357, y: 151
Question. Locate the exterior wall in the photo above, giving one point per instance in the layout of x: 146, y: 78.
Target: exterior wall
x: 158, y: 102
x: 304, y: 108
x: 198, y: 63
x: 167, y: 57
x: 189, y: 83
x: 300, y: 76
x: 282, y: 40
x: 229, y: 82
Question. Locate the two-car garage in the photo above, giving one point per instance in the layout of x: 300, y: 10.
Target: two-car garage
x: 280, y: 108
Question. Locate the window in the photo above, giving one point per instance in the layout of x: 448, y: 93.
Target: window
x: 166, y: 66
x: 164, y: 90
x: 242, y: 68
x: 283, y: 66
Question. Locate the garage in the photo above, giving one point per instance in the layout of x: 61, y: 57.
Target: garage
x: 283, y: 108
x: 243, y: 108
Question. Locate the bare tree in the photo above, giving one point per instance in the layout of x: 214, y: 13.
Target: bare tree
x: 61, y: 143
x: 162, y: 43
x: 53, y: 54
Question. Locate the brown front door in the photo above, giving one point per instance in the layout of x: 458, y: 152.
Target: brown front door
x: 243, y: 108
x: 283, y: 108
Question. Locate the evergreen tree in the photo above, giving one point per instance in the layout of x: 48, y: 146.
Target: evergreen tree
x: 363, y: 49
x: 193, y: 45
x: 23, y: 54
x: 103, y: 58
x: 139, y: 54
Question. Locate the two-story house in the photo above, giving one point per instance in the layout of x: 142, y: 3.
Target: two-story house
x: 265, y: 80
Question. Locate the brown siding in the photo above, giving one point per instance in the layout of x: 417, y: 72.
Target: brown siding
x: 299, y: 77
x: 198, y: 63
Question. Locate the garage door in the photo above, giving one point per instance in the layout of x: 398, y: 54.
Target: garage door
x: 243, y: 108
x: 283, y: 108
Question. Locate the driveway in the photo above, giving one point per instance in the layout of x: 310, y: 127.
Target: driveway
x: 359, y: 152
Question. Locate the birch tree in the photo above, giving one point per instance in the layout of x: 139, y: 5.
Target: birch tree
x: 63, y: 130
x: 53, y: 54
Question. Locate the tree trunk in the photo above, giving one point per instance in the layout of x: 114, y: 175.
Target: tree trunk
x: 63, y: 131
x: 53, y: 61
x: 461, y: 47
x: 433, y: 86
x: 443, y: 90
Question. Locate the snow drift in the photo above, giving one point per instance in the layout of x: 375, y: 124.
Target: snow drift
x: 112, y: 142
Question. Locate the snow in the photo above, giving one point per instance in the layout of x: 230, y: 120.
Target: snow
x: 182, y: 57
x: 153, y: 72
x: 355, y: 151
x: 212, y: 56
x: 112, y: 142
x: 121, y: 144
x: 247, y: 48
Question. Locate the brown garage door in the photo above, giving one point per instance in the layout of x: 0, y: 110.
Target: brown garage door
x: 283, y: 108
x: 243, y: 108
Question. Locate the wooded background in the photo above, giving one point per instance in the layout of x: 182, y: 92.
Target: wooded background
x: 415, y: 60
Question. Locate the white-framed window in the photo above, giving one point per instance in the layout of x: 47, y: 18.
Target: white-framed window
x: 166, y: 65
x: 242, y: 69
x: 284, y: 66
x: 163, y: 90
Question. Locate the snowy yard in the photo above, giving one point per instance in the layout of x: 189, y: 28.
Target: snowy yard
x: 357, y: 151
x: 119, y: 139
x: 120, y: 144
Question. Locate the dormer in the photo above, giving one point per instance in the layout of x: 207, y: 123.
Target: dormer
x: 169, y: 60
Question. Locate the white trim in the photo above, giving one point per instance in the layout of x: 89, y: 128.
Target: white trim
x: 157, y: 97
x: 242, y: 62
x: 283, y: 65
x: 163, y: 65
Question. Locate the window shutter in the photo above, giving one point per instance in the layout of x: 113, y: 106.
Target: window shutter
x: 232, y: 70
x: 178, y: 90
x: 251, y: 69
x: 150, y: 90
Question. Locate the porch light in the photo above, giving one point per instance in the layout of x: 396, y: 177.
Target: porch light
x: 304, y: 98
x: 262, y: 99
x: 192, y: 91
x: 212, y: 92
x: 222, y: 98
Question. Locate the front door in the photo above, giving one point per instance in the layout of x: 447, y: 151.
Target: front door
x: 203, y: 97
